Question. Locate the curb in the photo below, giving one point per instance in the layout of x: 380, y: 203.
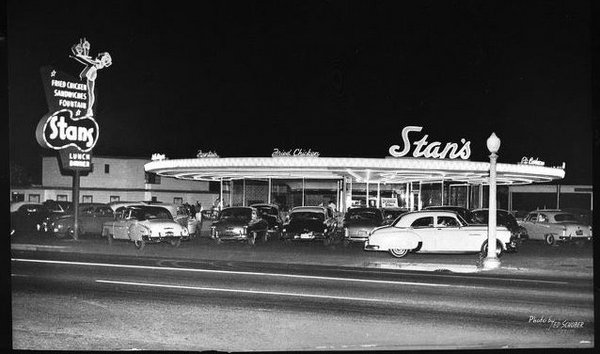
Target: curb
x: 446, y: 268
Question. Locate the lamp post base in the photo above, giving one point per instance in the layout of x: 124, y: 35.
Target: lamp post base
x: 491, y: 263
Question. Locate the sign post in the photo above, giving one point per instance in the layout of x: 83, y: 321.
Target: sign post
x: 70, y: 127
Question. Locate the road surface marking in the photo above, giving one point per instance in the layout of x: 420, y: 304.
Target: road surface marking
x: 257, y: 273
x: 295, y: 295
x: 28, y: 247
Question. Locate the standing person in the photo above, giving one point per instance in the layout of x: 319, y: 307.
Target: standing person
x: 332, y: 206
x: 199, y: 217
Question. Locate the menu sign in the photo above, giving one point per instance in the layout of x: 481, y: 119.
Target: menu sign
x: 70, y: 127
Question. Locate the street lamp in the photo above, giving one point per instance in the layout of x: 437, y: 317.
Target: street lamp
x: 492, y: 261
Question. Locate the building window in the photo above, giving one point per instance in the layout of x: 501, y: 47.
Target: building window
x: 34, y: 198
x: 87, y: 199
x: 152, y: 178
x: 106, y: 168
x: 62, y: 198
x: 115, y: 198
x: 18, y: 197
x: 178, y: 200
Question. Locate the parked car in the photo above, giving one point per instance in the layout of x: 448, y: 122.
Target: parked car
x: 553, y: 225
x: 239, y: 224
x: 92, y: 217
x: 504, y: 218
x: 308, y: 223
x: 144, y: 224
x: 27, y: 217
x: 391, y: 214
x: 56, y: 209
x: 435, y: 231
x: 270, y: 213
x: 462, y: 211
x: 358, y: 223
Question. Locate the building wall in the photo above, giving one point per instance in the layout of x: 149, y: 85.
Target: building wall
x: 125, y: 179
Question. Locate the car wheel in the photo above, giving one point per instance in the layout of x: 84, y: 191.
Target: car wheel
x: 484, y: 250
x: 550, y: 240
x: 139, y: 244
x: 60, y: 235
x: 110, y: 238
x: 346, y: 242
x: 176, y: 242
x: 398, y: 252
x: 327, y: 241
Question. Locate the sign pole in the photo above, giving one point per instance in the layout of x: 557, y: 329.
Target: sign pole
x: 76, y: 205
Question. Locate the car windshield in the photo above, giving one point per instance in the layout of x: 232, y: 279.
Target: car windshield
x: 565, y: 217
x: 307, y: 215
x: 150, y: 213
x: 242, y: 214
x: 370, y: 215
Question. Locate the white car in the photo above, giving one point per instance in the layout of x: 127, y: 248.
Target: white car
x: 555, y: 225
x: 144, y: 224
x: 435, y: 232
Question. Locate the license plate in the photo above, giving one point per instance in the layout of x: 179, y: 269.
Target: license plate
x: 579, y: 232
x: 362, y: 233
x: 169, y: 233
x: 308, y: 235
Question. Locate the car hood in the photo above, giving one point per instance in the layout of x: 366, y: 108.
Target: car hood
x: 305, y: 225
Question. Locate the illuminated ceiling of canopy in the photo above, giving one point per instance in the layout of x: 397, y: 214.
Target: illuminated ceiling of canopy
x: 361, y: 170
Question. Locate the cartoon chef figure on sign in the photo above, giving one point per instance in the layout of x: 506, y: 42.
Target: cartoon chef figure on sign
x: 81, y: 52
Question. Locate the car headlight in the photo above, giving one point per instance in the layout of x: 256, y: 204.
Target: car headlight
x: 185, y: 231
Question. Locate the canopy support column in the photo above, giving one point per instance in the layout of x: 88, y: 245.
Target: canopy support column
x: 244, y: 191
x: 220, y: 206
x: 269, y: 194
x: 378, y: 194
x: 302, y: 191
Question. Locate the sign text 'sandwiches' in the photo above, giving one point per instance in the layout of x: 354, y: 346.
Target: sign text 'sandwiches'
x: 423, y: 148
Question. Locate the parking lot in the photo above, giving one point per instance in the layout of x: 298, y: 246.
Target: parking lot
x: 574, y: 259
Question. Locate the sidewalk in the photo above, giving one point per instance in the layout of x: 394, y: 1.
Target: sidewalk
x: 563, y: 263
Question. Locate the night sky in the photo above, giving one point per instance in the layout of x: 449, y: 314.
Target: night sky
x: 339, y: 77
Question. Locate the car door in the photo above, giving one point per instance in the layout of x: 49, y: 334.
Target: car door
x: 449, y: 236
x: 424, y: 227
x: 530, y: 224
x: 86, y: 217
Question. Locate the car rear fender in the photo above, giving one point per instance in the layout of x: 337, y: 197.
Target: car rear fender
x: 402, y: 240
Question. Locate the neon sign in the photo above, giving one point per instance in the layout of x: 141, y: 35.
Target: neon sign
x: 70, y: 127
x: 430, y: 150
x: 532, y: 161
x: 294, y: 153
x: 202, y: 154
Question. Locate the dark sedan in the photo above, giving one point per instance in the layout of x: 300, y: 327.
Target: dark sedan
x: 503, y: 218
x: 310, y: 223
x: 239, y: 224
x: 91, y: 218
x: 358, y: 223
x: 270, y: 213
x: 27, y: 217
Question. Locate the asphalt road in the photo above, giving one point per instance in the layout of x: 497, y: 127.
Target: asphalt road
x: 71, y: 301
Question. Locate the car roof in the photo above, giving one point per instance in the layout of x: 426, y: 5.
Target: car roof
x: 413, y: 215
x: 262, y: 205
x: 14, y: 206
x: 313, y: 209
